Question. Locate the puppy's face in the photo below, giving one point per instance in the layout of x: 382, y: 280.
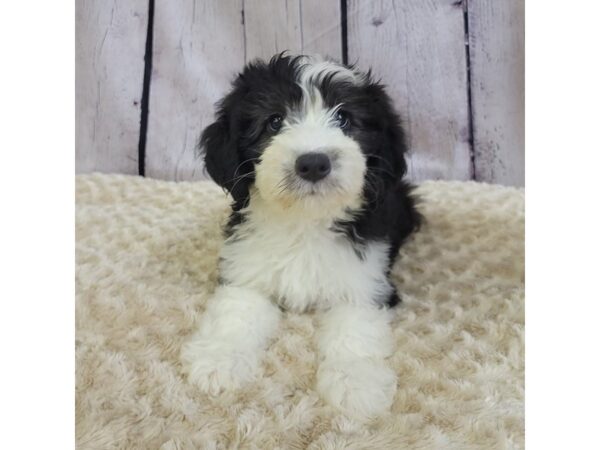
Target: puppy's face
x: 305, y: 135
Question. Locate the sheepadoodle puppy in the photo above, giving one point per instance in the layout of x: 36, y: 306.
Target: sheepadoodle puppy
x: 312, y: 154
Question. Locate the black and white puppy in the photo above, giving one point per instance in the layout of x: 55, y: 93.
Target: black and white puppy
x: 312, y: 154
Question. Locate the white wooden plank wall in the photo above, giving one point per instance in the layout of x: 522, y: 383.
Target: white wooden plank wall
x: 111, y: 38
x: 497, y: 54
x: 198, y: 48
x: 417, y: 47
x: 321, y: 28
x: 300, y: 26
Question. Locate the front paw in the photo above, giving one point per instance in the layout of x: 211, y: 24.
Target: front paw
x: 217, y: 366
x: 361, y: 388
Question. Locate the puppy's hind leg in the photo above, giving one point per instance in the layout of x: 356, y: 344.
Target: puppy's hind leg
x: 234, y: 331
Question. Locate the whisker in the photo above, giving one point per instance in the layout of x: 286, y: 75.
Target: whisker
x: 372, y: 183
x: 282, y: 181
x: 382, y: 170
x: 372, y: 155
x: 240, y: 178
x: 241, y: 164
x: 285, y: 184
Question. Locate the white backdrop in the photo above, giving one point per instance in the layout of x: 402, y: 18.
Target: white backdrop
x: 455, y: 70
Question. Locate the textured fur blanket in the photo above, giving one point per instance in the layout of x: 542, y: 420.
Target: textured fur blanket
x: 146, y: 263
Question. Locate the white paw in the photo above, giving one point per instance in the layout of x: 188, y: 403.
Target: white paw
x: 361, y: 388
x: 215, y: 366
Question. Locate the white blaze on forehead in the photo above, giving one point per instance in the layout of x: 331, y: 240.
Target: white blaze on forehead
x: 312, y: 110
x: 315, y: 68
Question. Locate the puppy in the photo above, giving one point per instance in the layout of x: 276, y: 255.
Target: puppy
x: 312, y: 154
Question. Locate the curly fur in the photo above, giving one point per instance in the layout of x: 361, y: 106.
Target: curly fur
x: 147, y: 254
x: 301, y: 243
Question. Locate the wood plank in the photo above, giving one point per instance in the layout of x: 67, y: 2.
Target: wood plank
x: 198, y: 49
x: 300, y: 26
x: 110, y: 46
x: 272, y: 26
x: 417, y: 47
x: 496, y: 45
x: 321, y: 28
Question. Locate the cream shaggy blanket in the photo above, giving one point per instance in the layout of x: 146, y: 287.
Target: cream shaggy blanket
x: 146, y: 263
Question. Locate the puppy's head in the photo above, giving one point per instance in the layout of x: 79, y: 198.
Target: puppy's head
x: 305, y: 134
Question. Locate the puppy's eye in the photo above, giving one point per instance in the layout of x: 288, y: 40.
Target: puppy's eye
x: 342, y: 118
x: 275, y: 122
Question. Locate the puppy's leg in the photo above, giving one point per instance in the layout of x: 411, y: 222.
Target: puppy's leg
x: 234, y: 332
x: 353, y: 343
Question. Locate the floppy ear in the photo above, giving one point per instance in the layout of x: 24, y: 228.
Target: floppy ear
x: 396, y: 142
x: 222, y: 161
x: 393, y: 142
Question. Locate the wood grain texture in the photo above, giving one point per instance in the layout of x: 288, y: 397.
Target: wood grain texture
x: 110, y: 46
x: 272, y: 26
x: 198, y: 49
x: 417, y: 48
x: 496, y: 46
x: 321, y: 28
x: 300, y: 26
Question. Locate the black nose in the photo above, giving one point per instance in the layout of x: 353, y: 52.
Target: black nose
x: 313, y: 166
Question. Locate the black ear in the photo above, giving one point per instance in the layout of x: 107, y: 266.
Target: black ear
x: 222, y: 160
x: 396, y: 142
x: 393, y: 141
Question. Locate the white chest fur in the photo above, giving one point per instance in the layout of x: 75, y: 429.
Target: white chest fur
x: 304, y: 265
